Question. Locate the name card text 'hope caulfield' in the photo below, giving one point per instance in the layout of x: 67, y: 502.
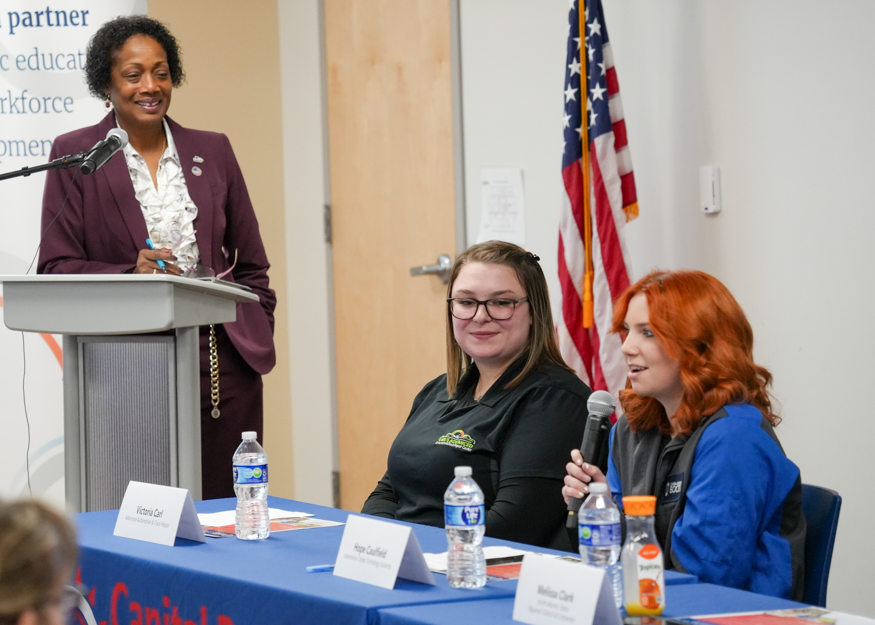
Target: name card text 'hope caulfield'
x: 553, y: 591
x: 158, y: 514
x: 376, y: 552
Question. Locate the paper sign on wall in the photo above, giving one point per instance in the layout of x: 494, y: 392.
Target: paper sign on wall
x: 502, y: 205
x: 377, y: 552
x: 157, y: 514
x: 552, y: 591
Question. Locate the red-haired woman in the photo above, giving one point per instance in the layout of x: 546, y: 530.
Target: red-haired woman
x: 698, y: 435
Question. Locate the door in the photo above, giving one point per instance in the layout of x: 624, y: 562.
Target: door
x: 390, y: 134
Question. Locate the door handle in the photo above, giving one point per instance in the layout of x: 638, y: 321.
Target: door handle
x: 442, y: 269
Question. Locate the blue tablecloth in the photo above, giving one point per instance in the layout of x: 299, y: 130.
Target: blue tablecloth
x: 229, y: 581
x: 680, y: 600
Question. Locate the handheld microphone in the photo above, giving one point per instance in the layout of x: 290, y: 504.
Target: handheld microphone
x: 102, y: 151
x: 598, y: 425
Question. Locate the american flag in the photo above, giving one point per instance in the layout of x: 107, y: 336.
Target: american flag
x: 599, y: 199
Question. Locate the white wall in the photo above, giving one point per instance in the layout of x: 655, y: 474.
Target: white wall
x: 779, y: 95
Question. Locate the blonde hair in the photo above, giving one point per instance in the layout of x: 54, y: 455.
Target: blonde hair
x: 541, y: 345
x: 38, y: 553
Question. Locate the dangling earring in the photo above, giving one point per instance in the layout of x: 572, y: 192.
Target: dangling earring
x: 108, y: 103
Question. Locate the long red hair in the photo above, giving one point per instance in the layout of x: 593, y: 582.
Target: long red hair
x: 700, y: 325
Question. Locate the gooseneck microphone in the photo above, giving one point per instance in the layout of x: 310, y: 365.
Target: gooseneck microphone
x: 593, y: 448
x: 102, y: 151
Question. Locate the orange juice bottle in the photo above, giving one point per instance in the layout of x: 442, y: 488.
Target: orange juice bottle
x: 643, y: 570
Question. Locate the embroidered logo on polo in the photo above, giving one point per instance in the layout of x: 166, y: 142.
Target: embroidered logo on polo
x: 457, y: 439
x: 673, y: 485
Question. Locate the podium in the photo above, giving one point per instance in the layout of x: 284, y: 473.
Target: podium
x: 131, y: 372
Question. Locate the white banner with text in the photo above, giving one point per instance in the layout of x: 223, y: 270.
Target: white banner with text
x: 42, y: 95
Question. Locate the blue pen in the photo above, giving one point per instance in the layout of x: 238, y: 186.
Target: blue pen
x: 320, y: 568
x: 159, y: 261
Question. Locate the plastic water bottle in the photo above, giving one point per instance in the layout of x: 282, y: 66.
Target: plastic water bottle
x: 465, y: 516
x: 250, y: 486
x: 599, y: 536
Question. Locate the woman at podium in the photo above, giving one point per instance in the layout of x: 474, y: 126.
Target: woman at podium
x: 508, y: 406
x: 698, y: 434
x: 181, y: 192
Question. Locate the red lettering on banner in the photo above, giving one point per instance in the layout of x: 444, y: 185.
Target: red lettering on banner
x: 118, y: 589
x: 133, y: 606
x: 153, y: 615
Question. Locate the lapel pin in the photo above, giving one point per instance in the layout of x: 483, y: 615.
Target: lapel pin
x: 198, y: 159
x: 196, y: 171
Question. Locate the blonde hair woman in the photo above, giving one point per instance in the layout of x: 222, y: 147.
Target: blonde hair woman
x: 37, y: 558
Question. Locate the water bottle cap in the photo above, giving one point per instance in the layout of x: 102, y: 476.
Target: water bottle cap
x: 250, y: 436
x: 463, y: 471
x: 596, y: 488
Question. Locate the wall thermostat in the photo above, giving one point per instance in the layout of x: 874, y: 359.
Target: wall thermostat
x: 709, y: 188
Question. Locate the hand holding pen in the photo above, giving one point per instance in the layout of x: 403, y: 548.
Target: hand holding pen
x: 156, y: 261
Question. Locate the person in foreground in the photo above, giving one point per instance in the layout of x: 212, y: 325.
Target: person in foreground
x: 508, y: 406
x: 37, y: 559
x: 698, y: 435
x: 184, y: 190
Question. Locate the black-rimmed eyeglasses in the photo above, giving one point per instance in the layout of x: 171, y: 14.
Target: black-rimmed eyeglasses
x: 498, y: 308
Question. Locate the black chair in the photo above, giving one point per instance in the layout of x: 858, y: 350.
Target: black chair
x: 821, y: 507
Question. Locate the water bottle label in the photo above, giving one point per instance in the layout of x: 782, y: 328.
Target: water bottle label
x: 598, y: 534
x: 465, y: 516
x: 250, y: 474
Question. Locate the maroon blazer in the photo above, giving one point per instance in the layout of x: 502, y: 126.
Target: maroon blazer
x: 102, y: 230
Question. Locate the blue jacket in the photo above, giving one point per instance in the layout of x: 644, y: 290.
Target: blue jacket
x: 728, y: 499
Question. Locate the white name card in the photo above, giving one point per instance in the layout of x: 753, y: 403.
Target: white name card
x: 158, y: 514
x: 552, y: 591
x: 378, y: 553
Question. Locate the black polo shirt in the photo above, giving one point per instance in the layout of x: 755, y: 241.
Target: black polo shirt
x: 517, y: 441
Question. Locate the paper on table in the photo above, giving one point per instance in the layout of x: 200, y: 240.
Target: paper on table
x: 799, y: 616
x: 228, y: 517
x: 437, y: 562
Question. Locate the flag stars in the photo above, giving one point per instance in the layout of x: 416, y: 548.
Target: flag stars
x: 590, y: 51
x: 595, y: 28
x: 570, y: 94
x: 565, y: 119
x: 592, y: 117
x: 577, y: 39
x: 602, y: 67
x: 597, y: 92
x: 574, y: 66
x: 571, y: 4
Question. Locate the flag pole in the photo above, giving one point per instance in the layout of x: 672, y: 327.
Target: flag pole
x: 585, y: 164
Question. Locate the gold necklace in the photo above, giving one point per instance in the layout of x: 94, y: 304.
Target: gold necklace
x: 476, y: 396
